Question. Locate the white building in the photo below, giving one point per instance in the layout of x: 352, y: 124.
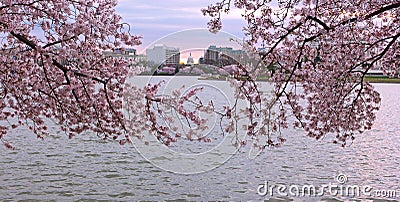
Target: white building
x: 190, y: 60
x: 163, y: 55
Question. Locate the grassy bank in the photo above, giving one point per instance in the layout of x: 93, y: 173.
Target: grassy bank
x: 223, y: 78
x: 381, y: 79
x: 371, y: 79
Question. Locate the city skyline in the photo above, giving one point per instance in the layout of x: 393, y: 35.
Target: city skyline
x: 154, y: 55
x: 196, y: 41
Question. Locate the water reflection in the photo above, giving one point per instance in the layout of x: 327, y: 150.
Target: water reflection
x: 85, y: 168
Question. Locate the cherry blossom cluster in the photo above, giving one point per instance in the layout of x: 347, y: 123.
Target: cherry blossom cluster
x: 259, y: 117
x: 165, y: 113
x: 53, y: 67
x: 317, y: 55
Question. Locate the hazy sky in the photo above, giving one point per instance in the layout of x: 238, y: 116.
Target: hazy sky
x: 154, y: 19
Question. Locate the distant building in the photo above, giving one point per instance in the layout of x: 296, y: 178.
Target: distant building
x: 222, y: 56
x: 163, y: 55
x: 190, y: 60
x: 201, y: 60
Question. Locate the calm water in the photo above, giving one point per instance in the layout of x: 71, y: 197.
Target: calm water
x: 85, y: 168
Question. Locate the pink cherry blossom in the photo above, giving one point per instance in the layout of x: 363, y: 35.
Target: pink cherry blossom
x: 321, y: 52
x: 317, y: 55
x: 61, y: 73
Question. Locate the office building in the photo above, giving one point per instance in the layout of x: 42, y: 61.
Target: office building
x: 163, y: 55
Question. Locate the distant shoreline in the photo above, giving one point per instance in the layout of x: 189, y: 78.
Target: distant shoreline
x: 380, y: 79
x: 370, y: 79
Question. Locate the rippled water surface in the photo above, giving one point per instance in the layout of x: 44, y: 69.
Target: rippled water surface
x: 86, y: 168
